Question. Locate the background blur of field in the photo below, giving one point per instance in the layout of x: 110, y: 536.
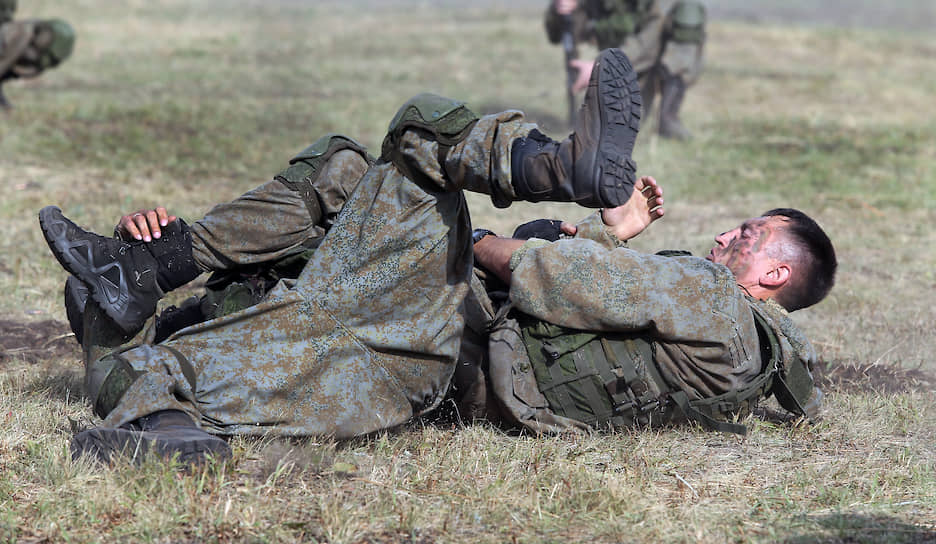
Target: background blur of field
x: 828, y: 109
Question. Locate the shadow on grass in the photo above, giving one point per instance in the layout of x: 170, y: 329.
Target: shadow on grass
x: 859, y: 528
x: 881, y: 378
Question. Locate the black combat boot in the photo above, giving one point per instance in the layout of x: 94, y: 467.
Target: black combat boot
x: 166, y: 433
x: 168, y: 321
x: 593, y: 166
x: 125, y: 279
x: 671, y: 96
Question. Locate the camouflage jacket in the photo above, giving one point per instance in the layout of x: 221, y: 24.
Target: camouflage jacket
x: 608, y: 22
x: 701, y: 322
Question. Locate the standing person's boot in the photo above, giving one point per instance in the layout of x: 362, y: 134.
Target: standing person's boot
x: 125, y: 279
x: 671, y: 96
x: 593, y: 166
x: 167, y: 433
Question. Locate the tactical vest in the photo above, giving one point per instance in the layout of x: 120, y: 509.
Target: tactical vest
x: 612, y: 380
x: 615, y: 20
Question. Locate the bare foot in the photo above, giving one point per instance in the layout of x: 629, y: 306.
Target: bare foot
x: 643, y: 207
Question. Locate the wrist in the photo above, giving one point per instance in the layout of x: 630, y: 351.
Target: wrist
x: 478, y: 234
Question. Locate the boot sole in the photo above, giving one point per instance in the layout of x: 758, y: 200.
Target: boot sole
x: 619, y: 101
x: 114, y: 299
x: 106, y: 444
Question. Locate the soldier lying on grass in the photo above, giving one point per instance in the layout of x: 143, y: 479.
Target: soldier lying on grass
x: 377, y: 325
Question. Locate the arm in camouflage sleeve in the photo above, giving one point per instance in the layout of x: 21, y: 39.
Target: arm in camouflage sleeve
x: 580, y: 284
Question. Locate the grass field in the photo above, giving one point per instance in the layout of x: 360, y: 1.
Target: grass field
x: 191, y: 103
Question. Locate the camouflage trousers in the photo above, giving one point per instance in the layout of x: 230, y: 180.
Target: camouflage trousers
x: 367, y: 336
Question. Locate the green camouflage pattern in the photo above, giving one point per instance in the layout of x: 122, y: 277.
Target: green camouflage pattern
x: 29, y: 47
x: 646, y: 35
x: 702, y: 323
x: 706, y: 338
x: 367, y: 336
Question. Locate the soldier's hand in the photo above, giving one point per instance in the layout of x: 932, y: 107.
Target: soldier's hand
x: 144, y: 224
x: 584, y: 68
x: 565, y: 7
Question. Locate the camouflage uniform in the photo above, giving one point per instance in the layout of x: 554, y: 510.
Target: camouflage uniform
x: 700, y: 322
x: 29, y: 47
x: 663, y: 38
x: 366, y: 336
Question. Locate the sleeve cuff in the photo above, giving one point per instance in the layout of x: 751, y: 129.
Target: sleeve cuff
x: 593, y: 228
x: 519, y: 253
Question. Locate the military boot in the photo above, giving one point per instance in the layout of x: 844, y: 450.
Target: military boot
x: 671, y: 96
x: 593, y: 166
x: 167, y: 433
x: 125, y: 279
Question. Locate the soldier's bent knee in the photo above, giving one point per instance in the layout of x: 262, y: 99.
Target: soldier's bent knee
x: 305, y: 168
x: 449, y: 121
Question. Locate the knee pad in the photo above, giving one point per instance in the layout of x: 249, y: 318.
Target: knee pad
x: 305, y: 167
x: 449, y: 121
x: 108, y: 378
x: 687, y: 22
x: 54, y: 40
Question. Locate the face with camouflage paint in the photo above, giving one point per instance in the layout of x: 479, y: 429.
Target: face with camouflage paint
x: 752, y: 250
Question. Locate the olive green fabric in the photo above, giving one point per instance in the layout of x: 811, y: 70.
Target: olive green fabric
x: 7, y: 9
x: 29, y: 47
x: 600, y: 380
x: 616, y: 20
x: 283, y: 217
x: 709, y: 345
x: 367, y: 336
x: 448, y: 121
x: 650, y: 45
x: 307, y: 165
x: 688, y: 23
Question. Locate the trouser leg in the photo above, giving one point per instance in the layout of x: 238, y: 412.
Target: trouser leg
x: 368, y: 335
x: 284, y: 216
x: 366, y: 338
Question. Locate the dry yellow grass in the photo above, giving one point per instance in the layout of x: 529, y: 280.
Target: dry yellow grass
x: 190, y: 103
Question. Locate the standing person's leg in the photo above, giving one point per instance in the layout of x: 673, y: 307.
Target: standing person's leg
x: 681, y: 63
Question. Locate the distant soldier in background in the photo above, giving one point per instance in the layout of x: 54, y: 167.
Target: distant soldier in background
x: 28, y: 47
x: 663, y: 39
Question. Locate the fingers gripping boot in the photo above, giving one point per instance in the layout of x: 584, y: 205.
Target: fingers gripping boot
x: 167, y: 433
x: 125, y: 279
x: 593, y: 166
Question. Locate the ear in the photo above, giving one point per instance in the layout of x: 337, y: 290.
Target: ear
x: 776, y: 277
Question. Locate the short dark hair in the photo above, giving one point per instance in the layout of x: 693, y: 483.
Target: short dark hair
x: 815, y: 257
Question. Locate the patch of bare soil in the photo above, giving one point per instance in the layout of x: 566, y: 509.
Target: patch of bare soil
x: 850, y: 376
x: 34, y: 341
